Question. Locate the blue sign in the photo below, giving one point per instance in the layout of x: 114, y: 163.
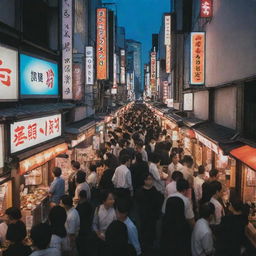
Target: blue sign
x: 38, y: 77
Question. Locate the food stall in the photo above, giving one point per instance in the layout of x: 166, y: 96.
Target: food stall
x: 5, y: 194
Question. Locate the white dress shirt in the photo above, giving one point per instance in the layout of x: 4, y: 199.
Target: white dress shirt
x: 198, y: 182
x: 122, y: 177
x: 202, y: 240
x: 103, y: 218
x: 158, y: 183
x: 219, y: 212
x: 172, y: 167
x: 72, y: 224
x: 169, y: 190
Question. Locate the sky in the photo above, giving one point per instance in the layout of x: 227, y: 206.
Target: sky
x: 141, y: 18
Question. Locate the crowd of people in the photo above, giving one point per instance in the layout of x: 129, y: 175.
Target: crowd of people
x: 150, y: 200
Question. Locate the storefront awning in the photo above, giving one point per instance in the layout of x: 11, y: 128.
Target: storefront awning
x: 33, y: 110
x: 81, y: 126
x: 228, y: 147
x: 246, y: 154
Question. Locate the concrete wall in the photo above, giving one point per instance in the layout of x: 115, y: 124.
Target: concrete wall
x: 201, y: 104
x: 225, y: 107
x: 231, y: 41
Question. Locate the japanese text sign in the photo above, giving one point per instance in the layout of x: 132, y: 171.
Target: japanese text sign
x: 122, y: 74
x: 168, y: 59
x: 197, y: 58
x: 188, y: 102
x: 67, y: 49
x: 206, y: 8
x: 89, y: 65
x: 8, y: 74
x: 1, y: 146
x: 26, y: 134
x: 114, y: 88
x: 102, y: 44
x: 153, y: 71
x: 167, y: 26
x: 207, y: 143
x: 38, y: 77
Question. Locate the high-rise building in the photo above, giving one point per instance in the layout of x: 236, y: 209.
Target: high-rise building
x: 134, y: 63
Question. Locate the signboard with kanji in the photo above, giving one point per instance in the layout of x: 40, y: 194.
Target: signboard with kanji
x: 8, y: 74
x: 197, y: 58
x: 168, y: 59
x: 206, y: 8
x: 122, y: 73
x: 153, y: 72
x: 1, y: 145
x: 89, y: 65
x: 167, y: 29
x: 102, y: 44
x: 28, y: 133
x: 38, y: 77
x: 67, y: 49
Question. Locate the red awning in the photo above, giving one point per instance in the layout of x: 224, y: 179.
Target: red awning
x: 245, y: 154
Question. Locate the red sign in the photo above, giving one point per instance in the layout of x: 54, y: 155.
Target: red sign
x: 206, y: 8
x: 102, y: 52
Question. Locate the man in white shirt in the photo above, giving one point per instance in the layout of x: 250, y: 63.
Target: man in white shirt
x: 175, y: 165
x: 182, y: 187
x: 140, y: 149
x: 216, y: 189
x: 202, y: 238
x: 122, y: 177
x: 73, y: 220
x: 198, y: 183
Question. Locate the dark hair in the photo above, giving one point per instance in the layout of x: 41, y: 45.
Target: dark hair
x: 93, y: 167
x: 16, y: 232
x: 177, y: 175
x: 57, y: 172
x: 138, y: 157
x: 57, y: 218
x: 182, y: 185
x: 214, y: 187
x: 206, y: 210
x: 124, y: 158
x: 145, y: 176
x: 14, y: 213
x: 67, y: 200
x: 188, y: 160
x: 123, y: 206
x: 80, y: 177
x: 174, y: 151
x: 104, y: 195
x: 201, y: 169
x: 41, y: 235
x: 83, y: 194
x: 113, y: 142
x: 76, y: 165
x: 213, y: 173
x: 107, y: 162
x: 108, y: 143
x: 140, y: 143
x: 154, y: 158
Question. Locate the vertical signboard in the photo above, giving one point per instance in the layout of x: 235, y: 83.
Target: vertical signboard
x: 197, y: 58
x: 168, y: 59
x: 114, y: 88
x: 67, y: 49
x: 167, y: 29
x: 89, y: 65
x: 165, y: 91
x: 122, y: 54
x: 206, y: 8
x: 1, y: 146
x: 8, y: 74
x: 153, y: 72
x: 78, y: 81
x: 102, y: 44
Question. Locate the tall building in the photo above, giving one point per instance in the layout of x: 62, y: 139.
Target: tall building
x: 134, y: 63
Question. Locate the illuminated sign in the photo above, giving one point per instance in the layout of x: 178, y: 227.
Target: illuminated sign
x: 153, y: 72
x: 206, y: 8
x: 26, y: 134
x: 122, y: 78
x: 197, y: 58
x: 67, y: 49
x: 8, y: 74
x: 102, y: 45
x: 38, y: 77
x: 167, y: 26
x: 114, y: 88
x: 168, y: 59
x: 89, y: 64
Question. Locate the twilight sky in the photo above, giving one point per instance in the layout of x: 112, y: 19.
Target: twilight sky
x: 141, y: 18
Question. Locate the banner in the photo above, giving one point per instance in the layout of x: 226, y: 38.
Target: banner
x: 67, y: 49
x: 89, y: 65
x: 122, y: 74
x: 38, y: 77
x: 102, y: 44
x: 114, y: 88
x: 8, y: 74
x: 197, y: 58
x: 167, y: 30
x: 26, y: 134
x: 168, y: 59
x: 153, y: 72
x: 206, y: 8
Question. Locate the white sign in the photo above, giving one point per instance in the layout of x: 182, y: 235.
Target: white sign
x: 89, y: 63
x: 167, y: 25
x: 207, y: 143
x: 114, y: 88
x: 1, y: 146
x: 8, y: 74
x: 67, y: 49
x: 188, y: 102
x: 122, y: 68
x: 26, y: 134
